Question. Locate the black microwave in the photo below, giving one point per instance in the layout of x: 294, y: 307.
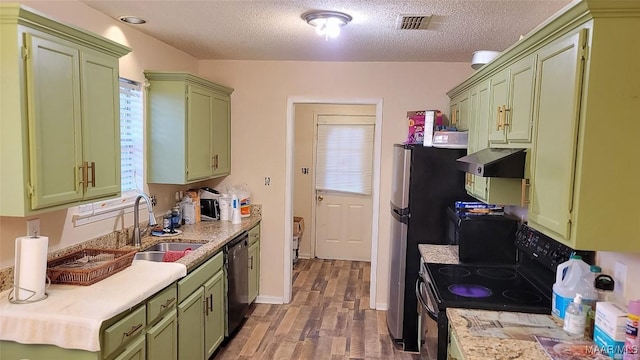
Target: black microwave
x: 483, y: 239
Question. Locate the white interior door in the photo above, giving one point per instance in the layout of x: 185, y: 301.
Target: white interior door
x: 343, y: 226
x: 344, y: 167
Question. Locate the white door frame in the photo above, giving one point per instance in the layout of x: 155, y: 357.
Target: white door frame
x: 289, y: 183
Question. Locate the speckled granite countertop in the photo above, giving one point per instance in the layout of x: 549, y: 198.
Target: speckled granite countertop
x: 485, y: 348
x: 213, y: 234
x: 440, y: 254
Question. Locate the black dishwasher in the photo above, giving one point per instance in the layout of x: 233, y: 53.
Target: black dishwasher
x: 237, y: 265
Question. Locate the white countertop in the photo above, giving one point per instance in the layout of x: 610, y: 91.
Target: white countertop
x: 71, y: 316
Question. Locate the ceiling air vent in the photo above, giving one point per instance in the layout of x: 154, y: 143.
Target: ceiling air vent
x: 413, y: 22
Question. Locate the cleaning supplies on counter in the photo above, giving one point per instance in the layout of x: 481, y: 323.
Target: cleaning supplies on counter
x: 225, y: 207
x: 569, y: 275
x: 574, y: 317
x: 236, y: 217
x: 590, y: 298
x: 632, y: 340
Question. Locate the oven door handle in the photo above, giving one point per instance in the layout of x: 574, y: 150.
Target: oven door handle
x: 432, y: 313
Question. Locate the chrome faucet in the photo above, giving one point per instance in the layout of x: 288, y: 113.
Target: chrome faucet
x: 137, y: 233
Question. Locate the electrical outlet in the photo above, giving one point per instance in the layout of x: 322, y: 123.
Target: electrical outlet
x: 620, y: 277
x: 33, y: 227
x: 267, y: 180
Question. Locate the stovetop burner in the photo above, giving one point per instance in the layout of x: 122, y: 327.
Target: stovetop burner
x: 486, y: 287
x: 523, y: 296
x: 454, y: 271
x: 470, y: 290
x: 498, y: 273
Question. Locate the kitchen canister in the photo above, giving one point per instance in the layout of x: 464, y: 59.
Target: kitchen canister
x: 30, y: 271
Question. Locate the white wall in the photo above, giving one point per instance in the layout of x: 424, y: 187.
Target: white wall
x: 259, y: 113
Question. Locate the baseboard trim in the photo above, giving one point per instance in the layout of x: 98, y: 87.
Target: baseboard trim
x: 382, y: 306
x: 269, y: 300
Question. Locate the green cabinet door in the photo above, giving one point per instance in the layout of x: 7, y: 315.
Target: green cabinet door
x: 199, y: 133
x: 54, y: 113
x: 191, y: 326
x: 498, y: 100
x: 554, y: 154
x: 135, y: 351
x: 519, y: 117
x: 454, y: 352
x: 101, y: 124
x: 162, y: 339
x: 215, y: 313
x: 254, y: 270
x: 221, y: 135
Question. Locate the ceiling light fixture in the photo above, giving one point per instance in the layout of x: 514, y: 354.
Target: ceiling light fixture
x: 133, y: 20
x: 327, y: 23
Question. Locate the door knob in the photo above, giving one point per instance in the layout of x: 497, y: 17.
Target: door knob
x: 320, y: 197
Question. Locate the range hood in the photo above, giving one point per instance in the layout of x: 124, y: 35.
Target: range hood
x: 503, y: 163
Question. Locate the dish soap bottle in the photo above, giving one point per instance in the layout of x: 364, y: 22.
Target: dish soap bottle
x: 574, y: 317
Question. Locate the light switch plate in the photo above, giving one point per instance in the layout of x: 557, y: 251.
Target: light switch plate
x: 620, y: 277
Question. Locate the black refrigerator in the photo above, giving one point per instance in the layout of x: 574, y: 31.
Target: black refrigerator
x: 425, y: 182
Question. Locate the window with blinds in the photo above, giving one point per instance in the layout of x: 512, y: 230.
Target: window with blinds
x: 344, y: 154
x: 131, y: 155
x: 131, y: 139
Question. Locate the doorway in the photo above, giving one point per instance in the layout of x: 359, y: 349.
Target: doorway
x: 299, y: 142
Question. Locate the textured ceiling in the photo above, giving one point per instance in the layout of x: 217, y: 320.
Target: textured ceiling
x: 274, y: 29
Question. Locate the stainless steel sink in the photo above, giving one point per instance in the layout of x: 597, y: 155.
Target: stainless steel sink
x: 157, y: 251
x: 149, y: 256
x: 172, y: 246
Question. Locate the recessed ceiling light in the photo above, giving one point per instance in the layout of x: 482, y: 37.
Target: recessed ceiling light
x: 134, y: 20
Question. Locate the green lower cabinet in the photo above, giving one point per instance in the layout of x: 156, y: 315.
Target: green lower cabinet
x: 162, y: 339
x: 254, y: 271
x: 136, y: 351
x: 201, y: 311
x: 454, y: 351
x: 10, y: 350
x: 214, y: 314
x: 190, y: 329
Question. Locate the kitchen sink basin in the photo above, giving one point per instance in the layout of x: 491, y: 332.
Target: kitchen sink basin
x: 157, y: 251
x: 172, y: 246
x: 149, y: 256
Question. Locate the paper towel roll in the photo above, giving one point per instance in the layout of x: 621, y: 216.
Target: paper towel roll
x: 30, y: 272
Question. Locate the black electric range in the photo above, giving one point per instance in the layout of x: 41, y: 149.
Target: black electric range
x: 487, y: 288
x: 523, y: 287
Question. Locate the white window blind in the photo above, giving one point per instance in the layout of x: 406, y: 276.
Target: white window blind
x: 131, y: 140
x: 131, y: 155
x: 344, y: 157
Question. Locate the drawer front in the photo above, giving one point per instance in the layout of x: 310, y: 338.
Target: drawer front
x: 254, y: 234
x: 124, y: 330
x: 161, y: 303
x: 199, y: 276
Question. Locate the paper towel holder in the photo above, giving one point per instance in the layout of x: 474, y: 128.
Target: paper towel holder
x: 14, y: 300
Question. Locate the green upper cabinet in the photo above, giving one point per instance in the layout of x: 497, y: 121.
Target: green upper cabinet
x: 60, y: 138
x: 188, y: 127
x: 581, y: 180
x: 511, y: 119
x: 490, y: 190
x: 459, y: 116
x: 553, y: 160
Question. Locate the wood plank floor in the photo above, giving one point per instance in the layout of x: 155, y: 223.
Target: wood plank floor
x: 328, y: 318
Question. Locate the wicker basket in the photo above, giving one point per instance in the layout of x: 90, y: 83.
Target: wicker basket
x: 88, y: 266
